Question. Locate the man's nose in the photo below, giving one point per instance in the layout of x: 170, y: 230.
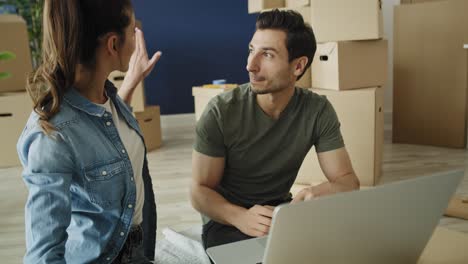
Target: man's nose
x: 253, y: 64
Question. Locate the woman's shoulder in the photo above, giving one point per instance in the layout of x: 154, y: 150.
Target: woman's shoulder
x: 66, y: 116
x: 63, y: 118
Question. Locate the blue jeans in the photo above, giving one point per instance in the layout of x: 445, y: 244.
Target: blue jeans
x: 133, y: 250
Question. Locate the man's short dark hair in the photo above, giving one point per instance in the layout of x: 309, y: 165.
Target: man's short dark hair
x: 300, y: 39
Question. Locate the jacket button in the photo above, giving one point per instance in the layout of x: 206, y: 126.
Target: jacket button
x: 130, y: 206
x: 104, y: 173
x: 122, y: 233
x: 108, y: 123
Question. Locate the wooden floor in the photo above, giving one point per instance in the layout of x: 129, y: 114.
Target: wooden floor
x: 170, y: 167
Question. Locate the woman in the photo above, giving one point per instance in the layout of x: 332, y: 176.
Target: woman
x: 90, y: 195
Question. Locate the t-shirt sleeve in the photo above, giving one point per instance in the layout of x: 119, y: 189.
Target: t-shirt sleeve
x: 209, y: 138
x: 328, y: 135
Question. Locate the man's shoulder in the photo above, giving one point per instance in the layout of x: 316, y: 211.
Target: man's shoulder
x: 311, y: 99
x: 236, y: 95
x: 310, y: 94
x: 231, y: 99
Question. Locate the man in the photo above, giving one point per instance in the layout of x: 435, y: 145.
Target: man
x: 251, y: 141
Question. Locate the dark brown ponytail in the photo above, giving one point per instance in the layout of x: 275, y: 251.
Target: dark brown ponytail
x: 71, y: 29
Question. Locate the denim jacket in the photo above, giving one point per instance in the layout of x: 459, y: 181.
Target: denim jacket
x: 80, y: 181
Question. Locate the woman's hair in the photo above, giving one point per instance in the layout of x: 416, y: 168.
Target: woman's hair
x: 71, y: 32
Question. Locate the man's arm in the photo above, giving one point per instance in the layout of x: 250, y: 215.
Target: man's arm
x: 337, y: 167
x: 207, y: 174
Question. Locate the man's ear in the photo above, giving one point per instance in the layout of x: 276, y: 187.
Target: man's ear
x: 300, y: 65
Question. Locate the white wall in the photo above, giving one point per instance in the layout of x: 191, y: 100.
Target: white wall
x: 387, y: 8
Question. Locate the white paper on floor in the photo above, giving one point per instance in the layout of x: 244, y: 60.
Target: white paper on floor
x: 178, y: 248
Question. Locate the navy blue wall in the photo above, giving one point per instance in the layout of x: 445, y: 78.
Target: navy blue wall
x: 201, y: 41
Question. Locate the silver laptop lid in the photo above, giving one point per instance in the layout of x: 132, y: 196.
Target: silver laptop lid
x: 391, y: 223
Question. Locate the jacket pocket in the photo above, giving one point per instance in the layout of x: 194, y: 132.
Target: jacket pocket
x: 105, y: 183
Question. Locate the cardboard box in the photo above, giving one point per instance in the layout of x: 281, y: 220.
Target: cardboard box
x: 138, y: 98
x: 14, y: 38
x: 457, y: 207
x: 256, y: 6
x: 361, y: 116
x: 304, y: 11
x: 339, y: 20
x: 445, y: 246
x: 15, y: 109
x: 150, y: 124
x: 297, y: 3
x: 431, y: 74
x: 202, y: 96
x: 350, y: 64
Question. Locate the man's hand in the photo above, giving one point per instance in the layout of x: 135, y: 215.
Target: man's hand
x: 304, y: 195
x: 255, y: 221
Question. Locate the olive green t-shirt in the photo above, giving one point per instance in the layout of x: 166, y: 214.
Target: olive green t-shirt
x: 263, y: 155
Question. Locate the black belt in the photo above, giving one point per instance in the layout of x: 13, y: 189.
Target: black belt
x: 134, y: 239
x: 135, y: 236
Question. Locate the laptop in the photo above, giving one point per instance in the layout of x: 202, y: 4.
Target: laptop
x: 391, y: 223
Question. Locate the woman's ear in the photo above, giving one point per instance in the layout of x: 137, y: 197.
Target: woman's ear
x: 112, y: 44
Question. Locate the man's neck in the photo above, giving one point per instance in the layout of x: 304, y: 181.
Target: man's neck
x: 273, y: 104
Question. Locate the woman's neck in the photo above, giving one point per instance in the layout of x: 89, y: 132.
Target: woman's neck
x: 90, y: 84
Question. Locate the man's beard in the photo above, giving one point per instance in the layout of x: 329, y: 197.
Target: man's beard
x: 259, y: 91
x: 265, y: 90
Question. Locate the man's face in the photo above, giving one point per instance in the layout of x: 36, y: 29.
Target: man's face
x: 268, y: 65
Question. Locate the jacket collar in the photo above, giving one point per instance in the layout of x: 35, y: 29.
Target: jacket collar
x: 76, y: 100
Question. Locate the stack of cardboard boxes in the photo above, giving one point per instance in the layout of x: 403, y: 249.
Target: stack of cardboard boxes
x: 350, y: 68
x: 15, y: 103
